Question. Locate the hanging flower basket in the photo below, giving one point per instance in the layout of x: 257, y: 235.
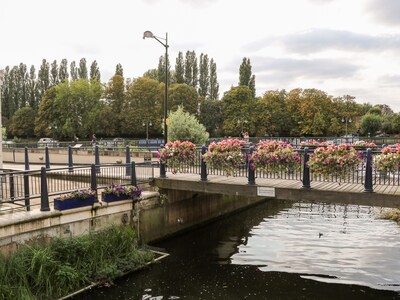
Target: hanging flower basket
x: 275, y: 157
x: 225, y: 156
x: 333, y: 160
x: 178, y: 156
x: 388, y: 161
x: 78, y: 198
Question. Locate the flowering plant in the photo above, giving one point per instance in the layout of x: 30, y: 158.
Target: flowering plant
x: 225, y: 155
x: 313, y: 143
x: 78, y: 194
x: 177, y: 155
x: 333, y: 160
x: 275, y: 157
x: 363, y: 144
x: 130, y: 191
x: 389, y: 159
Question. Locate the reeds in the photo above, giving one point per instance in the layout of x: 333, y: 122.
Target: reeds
x: 62, y: 266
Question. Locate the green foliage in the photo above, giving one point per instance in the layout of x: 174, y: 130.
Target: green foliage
x: 179, y: 69
x: 23, y: 122
x: 370, y: 124
x: 185, y: 96
x: 94, y: 71
x: 82, y: 70
x: 214, y: 86
x: 245, y: 76
x: 65, y: 265
x: 211, y: 116
x: 185, y: 127
x: 204, y: 78
x: 191, y: 69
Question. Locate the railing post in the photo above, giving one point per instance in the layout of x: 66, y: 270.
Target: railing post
x: 26, y: 159
x: 203, y: 171
x: 70, y: 161
x: 26, y: 191
x: 97, y: 158
x: 47, y: 157
x: 306, y: 171
x: 252, y: 175
x: 128, y: 161
x: 368, y: 187
x: 163, y: 173
x: 12, y: 189
x: 133, y: 174
x: 93, y: 178
x: 44, y: 194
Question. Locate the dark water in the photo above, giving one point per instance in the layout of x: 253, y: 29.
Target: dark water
x: 278, y: 250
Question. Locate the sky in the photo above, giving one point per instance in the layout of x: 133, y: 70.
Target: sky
x: 342, y: 47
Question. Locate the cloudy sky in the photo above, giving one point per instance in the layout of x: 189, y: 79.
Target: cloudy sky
x: 338, y: 46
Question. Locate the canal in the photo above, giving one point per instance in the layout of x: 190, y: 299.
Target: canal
x: 276, y: 250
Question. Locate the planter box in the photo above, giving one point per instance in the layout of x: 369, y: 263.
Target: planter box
x: 112, y: 197
x: 72, y: 203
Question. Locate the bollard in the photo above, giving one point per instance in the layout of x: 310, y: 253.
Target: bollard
x: 203, y: 171
x: 26, y: 159
x: 12, y: 187
x: 163, y: 173
x: 306, y: 171
x: 70, y: 161
x: 44, y: 194
x: 26, y: 192
x: 47, y: 157
x: 133, y: 175
x: 252, y: 175
x: 97, y: 158
x: 128, y: 161
x: 368, y: 187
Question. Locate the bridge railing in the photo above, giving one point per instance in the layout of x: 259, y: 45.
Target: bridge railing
x: 25, y: 189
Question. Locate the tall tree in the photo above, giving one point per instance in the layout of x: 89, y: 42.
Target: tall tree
x: 119, y: 70
x: 82, y: 70
x: 32, y: 88
x: 94, y: 71
x: 191, y: 69
x: 245, y: 75
x: 43, y: 78
x: 180, y: 69
x: 54, y: 74
x: 115, y: 97
x: 161, y: 70
x: 214, y: 86
x: 63, y: 70
x: 204, y: 78
x: 73, y: 71
x: 185, y: 96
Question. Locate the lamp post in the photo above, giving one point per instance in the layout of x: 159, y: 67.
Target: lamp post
x: 346, y: 120
x: 1, y: 126
x: 149, y: 34
x: 147, y: 124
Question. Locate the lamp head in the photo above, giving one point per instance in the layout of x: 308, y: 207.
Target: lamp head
x: 148, y: 34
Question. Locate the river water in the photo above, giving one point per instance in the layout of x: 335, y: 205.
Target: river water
x: 276, y: 250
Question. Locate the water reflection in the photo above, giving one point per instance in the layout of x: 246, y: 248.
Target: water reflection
x: 275, y: 251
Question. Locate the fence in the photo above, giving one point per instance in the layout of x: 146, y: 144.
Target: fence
x: 24, y: 189
x: 362, y: 173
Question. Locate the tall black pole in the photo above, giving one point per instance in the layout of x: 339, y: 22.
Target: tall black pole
x: 166, y: 91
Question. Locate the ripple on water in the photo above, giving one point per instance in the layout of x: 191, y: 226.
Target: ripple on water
x: 327, y: 242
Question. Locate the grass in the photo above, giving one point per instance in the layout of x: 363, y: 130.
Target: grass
x: 393, y: 214
x: 65, y: 265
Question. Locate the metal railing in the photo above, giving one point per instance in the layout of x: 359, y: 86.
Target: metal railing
x: 24, y: 189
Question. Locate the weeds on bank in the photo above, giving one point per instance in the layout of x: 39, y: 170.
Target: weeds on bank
x: 393, y: 214
x: 64, y: 265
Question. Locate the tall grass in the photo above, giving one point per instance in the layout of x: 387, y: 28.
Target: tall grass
x: 64, y: 265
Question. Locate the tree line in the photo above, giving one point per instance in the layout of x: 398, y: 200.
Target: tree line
x: 61, y: 104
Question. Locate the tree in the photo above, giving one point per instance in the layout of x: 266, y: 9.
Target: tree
x: 63, y: 70
x: 82, y: 70
x: 31, y: 86
x: 245, y: 76
x: 46, y: 113
x: 43, y: 78
x: 23, y: 122
x: 191, y: 69
x: 204, y: 78
x: 214, y: 86
x: 73, y: 71
x: 94, y: 71
x: 179, y: 69
x: 161, y: 70
x: 119, y: 70
x: 185, y: 127
x: 54, y: 74
x: 115, y: 98
x: 184, y: 96
x: 370, y: 124
x: 211, y: 116
x: 152, y: 74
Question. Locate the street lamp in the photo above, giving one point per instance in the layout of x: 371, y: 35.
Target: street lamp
x: 147, y: 124
x: 347, y: 120
x: 149, y: 34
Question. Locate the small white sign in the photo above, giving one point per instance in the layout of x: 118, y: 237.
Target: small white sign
x: 265, y: 191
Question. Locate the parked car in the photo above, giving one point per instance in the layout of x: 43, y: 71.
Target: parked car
x: 49, y: 142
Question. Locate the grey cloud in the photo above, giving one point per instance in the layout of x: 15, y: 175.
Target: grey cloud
x: 385, y: 11
x: 317, y: 40
x: 390, y: 81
